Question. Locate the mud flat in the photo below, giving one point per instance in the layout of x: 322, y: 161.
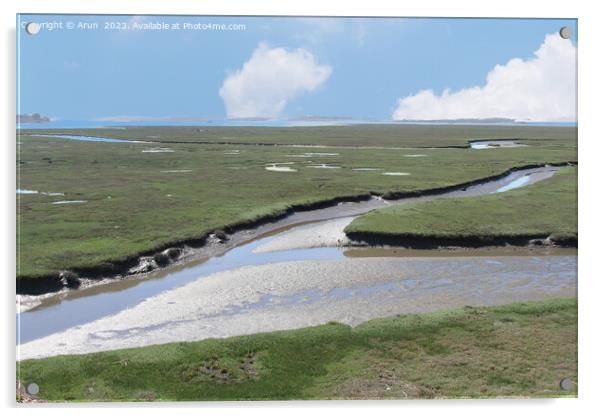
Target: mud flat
x: 288, y: 273
x: 294, y: 294
x: 323, y: 234
x: 291, y: 248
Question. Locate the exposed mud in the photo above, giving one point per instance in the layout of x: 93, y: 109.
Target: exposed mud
x: 245, y: 231
x: 294, y: 294
x: 322, y: 234
x: 292, y: 272
x: 412, y: 241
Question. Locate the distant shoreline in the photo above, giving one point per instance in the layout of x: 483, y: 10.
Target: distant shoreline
x: 34, y: 118
x: 80, y: 124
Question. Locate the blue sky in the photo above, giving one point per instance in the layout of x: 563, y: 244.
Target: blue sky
x: 360, y: 68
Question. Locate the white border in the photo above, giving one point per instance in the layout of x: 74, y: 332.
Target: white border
x: 589, y: 208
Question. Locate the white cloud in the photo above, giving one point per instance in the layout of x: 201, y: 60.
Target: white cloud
x: 542, y: 88
x: 314, y: 30
x: 317, y: 30
x: 269, y: 80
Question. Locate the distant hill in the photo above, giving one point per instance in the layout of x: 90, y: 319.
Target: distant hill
x: 33, y: 118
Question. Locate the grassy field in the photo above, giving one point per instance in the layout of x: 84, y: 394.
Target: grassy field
x: 139, y: 200
x: 546, y: 208
x: 516, y: 350
x: 356, y: 135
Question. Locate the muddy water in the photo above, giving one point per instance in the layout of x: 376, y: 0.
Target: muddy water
x: 288, y: 274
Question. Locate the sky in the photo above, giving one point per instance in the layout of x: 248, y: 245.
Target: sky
x: 139, y: 67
